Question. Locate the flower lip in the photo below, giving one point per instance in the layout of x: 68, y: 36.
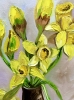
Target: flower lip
x: 64, y: 8
x: 43, y: 52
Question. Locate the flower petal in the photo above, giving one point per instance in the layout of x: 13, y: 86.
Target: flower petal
x: 71, y: 28
x: 2, y: 93
x: 61, y: 39
x: 42, y: 40
x: 2, y: 30
x: 23, y: 59
x: 36, y: 72
x: 46, y: 62
x: 33, y: 61
x: 16, y: 80
x: 14, y: 65
x: 69, y: 50
x: 43, y: 67
x: 65, y: 22
x: 54, y: 52
x: 30, y: 47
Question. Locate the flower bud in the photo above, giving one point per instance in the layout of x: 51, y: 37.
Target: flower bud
x: 17, y: 20
x: 64, y: 9
x: 43, y: 11
x: 12, y: 43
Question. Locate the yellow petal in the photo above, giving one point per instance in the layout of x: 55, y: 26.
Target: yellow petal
x: 65, y: 22
x: 71, y: 28
x: 69, y: 50
x: 2, y: 93
x: 44, y: 7
x: 30, y: 47
x: 42, y: 40
x: 61, y: 39
x: 2, y: 30
x: 54, y: 52
x: 23, y: 59
x: 49, y: 27
x: 14, y: 65
x: 36, y: 72
x: 5, y: 47
x: 16, y: 80
x: 15, y: 15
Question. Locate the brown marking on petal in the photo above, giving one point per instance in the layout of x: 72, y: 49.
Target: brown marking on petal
x: 20, y: 28
x: 43, y: 21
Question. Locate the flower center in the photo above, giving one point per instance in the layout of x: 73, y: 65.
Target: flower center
x: 44, y: 53
x: 23, y: 70
x: 66, y: 8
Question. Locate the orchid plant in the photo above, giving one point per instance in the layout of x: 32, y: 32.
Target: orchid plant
x: 37, y: 58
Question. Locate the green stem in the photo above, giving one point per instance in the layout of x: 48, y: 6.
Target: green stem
x: 53, y: 64
x: 46, y: 94
x: 5, y: 59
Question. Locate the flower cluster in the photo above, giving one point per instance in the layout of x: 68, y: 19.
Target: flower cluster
x: 37, y: 58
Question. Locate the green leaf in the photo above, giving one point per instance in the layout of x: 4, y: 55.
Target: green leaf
x: 45, y: 91
x: 10, y: 94
x: 53, y: 86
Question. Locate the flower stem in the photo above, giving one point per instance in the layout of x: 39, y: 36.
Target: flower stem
x: 53, y: 64
x: 5, y: 58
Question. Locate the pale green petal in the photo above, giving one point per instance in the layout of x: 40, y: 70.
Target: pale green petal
x: 30, y: 47
x: 42, y: 40
x: 16, y: 80
x: 33, y: 61
x: 49, y: 27
x: 61, y: 39
x: 43, y: 67
x: 2, y: 93
x: 69, y: 50
x: 14, y: 65
x: 54, y: 52
x: 53, y: 27
x: 36, y: 72
x: 23, y: 59
x: 5, y: 45
x: 47, y: 62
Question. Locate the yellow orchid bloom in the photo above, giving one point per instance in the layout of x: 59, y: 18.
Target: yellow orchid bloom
x: 65, y: 34
x: 20, y: 69
x: 12, y: 43
x: 17, y: 20
x: 2, y: 93
x: 64, y: 9
x: 41, y: 53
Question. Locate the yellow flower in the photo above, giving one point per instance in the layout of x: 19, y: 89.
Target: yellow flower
x: 20, y: 69
x: 65, y: 34
x: 64, y: 9
x: 2, y: 30
x: 42, y: 54
x: 12, y: 43
x: 17, y: 20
